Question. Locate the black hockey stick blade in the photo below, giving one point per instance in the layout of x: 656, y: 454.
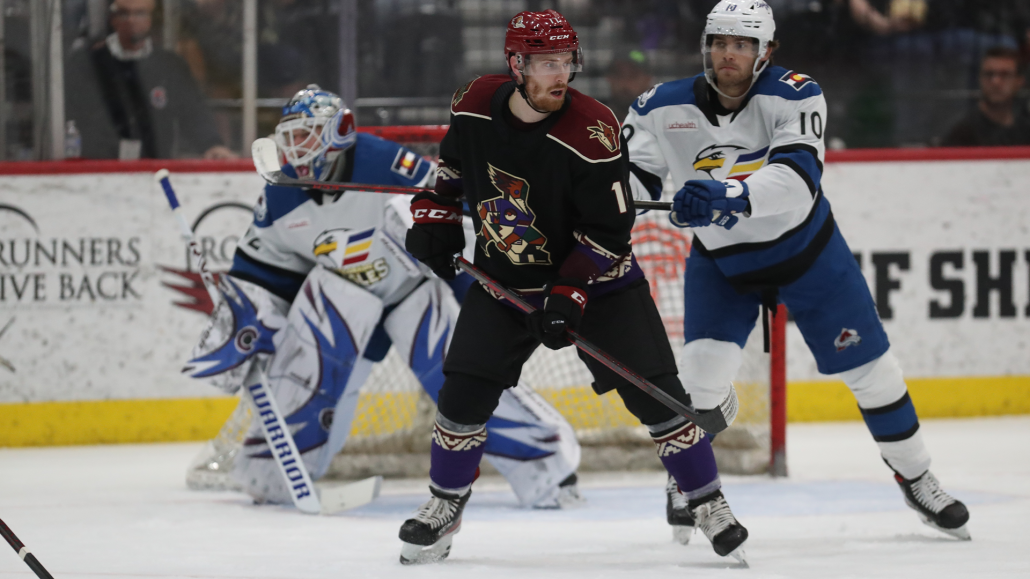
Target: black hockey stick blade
x: 24, y: 553
x: 712, y: 421
x: 266, y: 161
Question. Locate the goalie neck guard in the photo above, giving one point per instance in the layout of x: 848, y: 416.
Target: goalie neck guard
x: 546, y: 32
x: 750, y: 19
x: 316, y: 127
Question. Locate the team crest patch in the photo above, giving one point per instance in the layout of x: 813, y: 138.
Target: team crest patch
x: 406, y: 163
x: 846, y: 338
x: 517, y: 22
x: 796, y: 80
x: 642, y: 99
x: 714, y: 158
x: 460, y: 93
x: 507, y: 221
x: 606, y: 134
x: 346, y: 252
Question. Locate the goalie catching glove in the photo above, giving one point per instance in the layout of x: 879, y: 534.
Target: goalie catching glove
x: 437, y: 233
x: 563, y: 310
x: 702, y: 203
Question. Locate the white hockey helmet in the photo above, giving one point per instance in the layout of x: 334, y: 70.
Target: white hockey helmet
x: 315, y: 128
x: 748, y: 18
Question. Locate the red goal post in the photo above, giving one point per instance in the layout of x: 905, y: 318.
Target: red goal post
x: 389, y: 431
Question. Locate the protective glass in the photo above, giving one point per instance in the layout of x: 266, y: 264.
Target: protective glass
x: 551, y: 64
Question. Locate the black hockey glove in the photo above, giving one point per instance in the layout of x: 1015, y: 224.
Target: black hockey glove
x: 437, y: 234
x: 563, y: 310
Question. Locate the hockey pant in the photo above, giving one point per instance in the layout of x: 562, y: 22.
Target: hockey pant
x: 319, y: 368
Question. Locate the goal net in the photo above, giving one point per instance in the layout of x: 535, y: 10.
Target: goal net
x: 390, y: 432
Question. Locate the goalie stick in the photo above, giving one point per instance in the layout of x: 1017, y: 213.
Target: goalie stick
x: 24, y: 552
x: 306, y: 497
x: 711, y: 421
x: 266, y: 161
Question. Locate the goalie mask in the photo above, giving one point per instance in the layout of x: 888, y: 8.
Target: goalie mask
x: 749, y: 19
x: 541, y: 33
x: 316, y: 127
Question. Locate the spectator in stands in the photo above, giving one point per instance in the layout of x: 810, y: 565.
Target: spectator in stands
x: 996, y: 121
x: 131, y: 99
x: 628, y: 78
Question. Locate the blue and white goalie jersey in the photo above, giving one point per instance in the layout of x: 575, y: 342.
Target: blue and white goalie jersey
x: 358, y: 235
x: 773, y: 142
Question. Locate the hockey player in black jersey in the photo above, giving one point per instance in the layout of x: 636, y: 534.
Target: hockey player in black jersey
x: 541, y: 168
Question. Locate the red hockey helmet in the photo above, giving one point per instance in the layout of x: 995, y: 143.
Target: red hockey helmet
x: 546, y: 32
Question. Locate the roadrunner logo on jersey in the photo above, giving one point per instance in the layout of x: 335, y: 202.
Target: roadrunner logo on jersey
x: 846, y: 338
x: 715, y: 161
x: 796, y: 80
x: 606, y: 134
x: 406, y: 163
x: 507, y: 221
x: 346, y: 253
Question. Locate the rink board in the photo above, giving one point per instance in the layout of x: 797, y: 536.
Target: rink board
x: 95, y: 339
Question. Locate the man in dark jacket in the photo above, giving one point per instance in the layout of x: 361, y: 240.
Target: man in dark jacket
x: 995, y: 121
x: 130, y: 99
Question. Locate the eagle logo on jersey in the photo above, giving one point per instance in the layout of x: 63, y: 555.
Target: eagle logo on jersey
x: 606, y: 134
x: 796, y: 80
x: 346, y: 253
x: 714, y: 157
x: 507, y: 221
x: 846, y: 338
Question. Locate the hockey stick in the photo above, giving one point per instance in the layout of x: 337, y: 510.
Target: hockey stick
x: 280, y: 441
x: 266, y: 161
x: 24, y: 552
x: 712, y: 421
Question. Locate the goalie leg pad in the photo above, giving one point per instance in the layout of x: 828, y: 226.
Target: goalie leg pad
x: 328, y: 327
x: 241, y: 327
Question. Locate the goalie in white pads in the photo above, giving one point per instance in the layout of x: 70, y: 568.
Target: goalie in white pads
x: 746, y: 139
x: 321, y: 284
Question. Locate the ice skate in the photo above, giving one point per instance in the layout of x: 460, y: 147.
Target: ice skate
x: 717, y: 522
x: 677, y: 512
x: 935, y: 507
x: 427, y: 537
x: 568, y: 496
x: 210, y: 470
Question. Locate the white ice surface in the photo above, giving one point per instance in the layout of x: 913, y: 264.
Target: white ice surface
x: 124, y: 512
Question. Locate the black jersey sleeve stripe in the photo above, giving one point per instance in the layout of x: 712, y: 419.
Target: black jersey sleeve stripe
x: 281, y: 282
x: 650, y: 181
x: 803, y: 160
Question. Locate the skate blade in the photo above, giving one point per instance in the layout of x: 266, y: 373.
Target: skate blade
x: 961, y: 533
x: 682, y: 534
x: 209, y: 480
x: 740, y: 557
x: 421, y: 554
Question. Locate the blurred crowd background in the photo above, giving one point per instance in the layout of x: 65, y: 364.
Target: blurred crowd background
x: 166, y: 78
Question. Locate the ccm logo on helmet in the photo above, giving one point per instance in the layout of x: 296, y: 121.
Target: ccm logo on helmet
x: 436, y: 214
x: 559, y: 37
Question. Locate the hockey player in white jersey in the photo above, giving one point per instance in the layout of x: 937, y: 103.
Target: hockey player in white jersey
x: 746, y: 140
x: 321, y: 285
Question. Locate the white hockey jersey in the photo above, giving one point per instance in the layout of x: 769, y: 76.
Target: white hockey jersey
x: 358, y: 235
x: 774, y: 143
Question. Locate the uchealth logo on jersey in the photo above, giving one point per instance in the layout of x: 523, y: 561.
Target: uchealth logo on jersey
x: 507, y: 221
x: 608, y: 136
x: 846, y: 338
x: 406, y: 163
x: 796, y: 80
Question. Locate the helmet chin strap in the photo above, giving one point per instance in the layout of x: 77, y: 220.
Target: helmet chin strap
x: 713, y: 81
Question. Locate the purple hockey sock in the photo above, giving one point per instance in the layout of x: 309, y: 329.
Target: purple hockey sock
x: 454, y: 456
x: 687, y: 454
